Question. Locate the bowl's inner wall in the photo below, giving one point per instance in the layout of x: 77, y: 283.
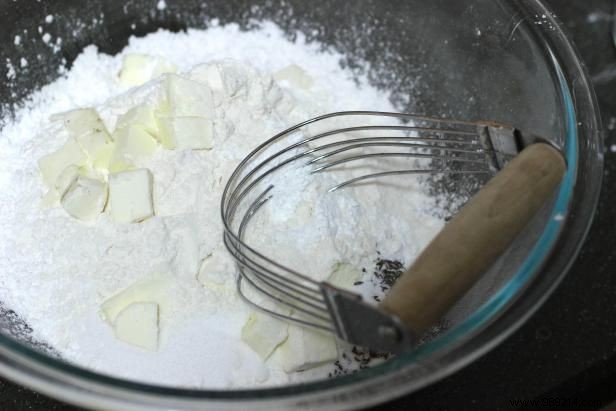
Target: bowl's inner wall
x: 442, y: 58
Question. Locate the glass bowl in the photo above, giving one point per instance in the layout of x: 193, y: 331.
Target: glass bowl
x: 502, y: 60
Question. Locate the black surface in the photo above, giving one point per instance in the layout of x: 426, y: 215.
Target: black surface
x: 566, y: 353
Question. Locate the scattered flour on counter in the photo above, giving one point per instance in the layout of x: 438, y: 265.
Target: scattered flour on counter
x: 55, y: 271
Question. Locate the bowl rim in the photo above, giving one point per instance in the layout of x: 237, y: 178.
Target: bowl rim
x: 81, y: 386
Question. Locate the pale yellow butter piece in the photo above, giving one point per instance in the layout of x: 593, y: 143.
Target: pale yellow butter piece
x: 132, y: 144
x: 54, y: 163
x: 66, y: 178
x: 62, y: 184
x: 196, y: 133
x: 137, y: 325
x: 210, y: 74
x: 87, y: 128
x: 85, y: 198
x: 94, y: 143
x: 80, y: 121
x: 186, y: 97
x: 141, y: 116
x: 263, y: 333
x: 166, y: 135
x: 134, y: 312
x: 138, y: 69
x: 227, y: 77
x: 153, y: 289
x: 295, y: 75
x: 102, y: 159
x: 130, y: 196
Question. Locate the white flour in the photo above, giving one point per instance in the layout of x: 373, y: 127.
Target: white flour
x: 55, y: 271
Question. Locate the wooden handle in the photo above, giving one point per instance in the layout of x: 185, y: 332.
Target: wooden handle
x: 474, y: 239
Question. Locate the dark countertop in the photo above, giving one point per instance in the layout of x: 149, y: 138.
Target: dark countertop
x: 568, y: 348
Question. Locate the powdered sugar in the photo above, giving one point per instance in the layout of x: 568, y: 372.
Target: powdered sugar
x: 55, y: 272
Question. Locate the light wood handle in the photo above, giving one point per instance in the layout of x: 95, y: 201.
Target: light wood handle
x: 474, y: 239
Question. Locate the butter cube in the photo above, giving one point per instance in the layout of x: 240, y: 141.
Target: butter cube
x: 130, y: 196
x: 214, y: 271
x: 138, y: 69
x: 295, y: 76
x: 166, y: 136
x: 80, y: 121
x: 132, y: 144
x: 195, y: 133
x: 53, y: 164
x: 141, y: 116
x: 137, y: 325
x: 85, y: 198
x: 61, y: 186
x: 307, y: 348
x: 228, y: 77
x: 66, y: 178
x: 87, y: 128
x: 102, y: 160
x: 154, y: 288
x: 263, y: 333
x: 210, y: 74
x: 94, y: 143
x: 186, y: 97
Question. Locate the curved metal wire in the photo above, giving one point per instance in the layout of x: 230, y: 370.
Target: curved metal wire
x: 279, y: 284
x: 450, y: 132
x: 393, y: 173
x: 281, y: 290
x: 259, y: 307
x: 360, y: 143
x: 454, y: 142
x: 390, y: 154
